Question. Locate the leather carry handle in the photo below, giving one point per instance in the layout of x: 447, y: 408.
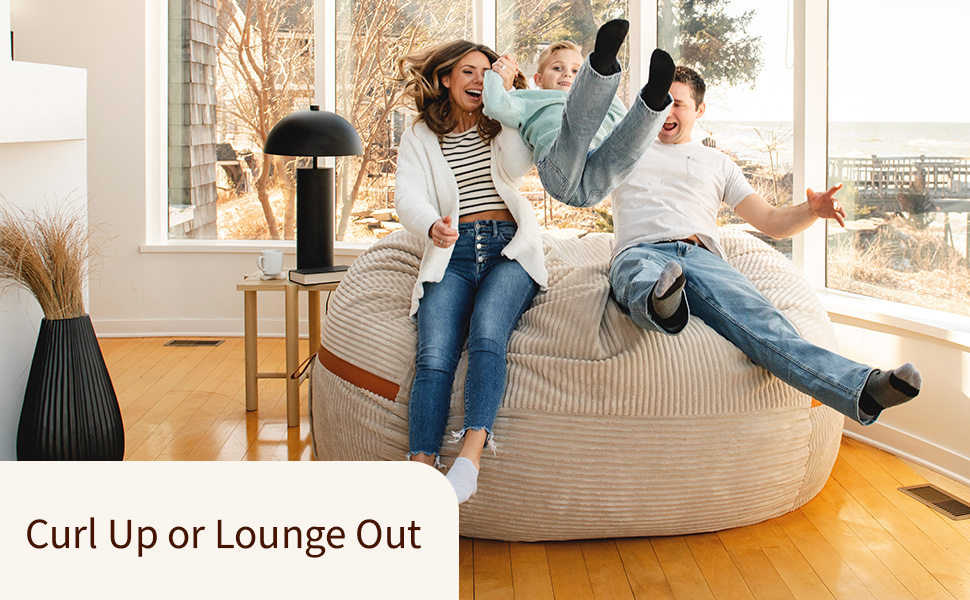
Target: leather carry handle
x: 353, y: 374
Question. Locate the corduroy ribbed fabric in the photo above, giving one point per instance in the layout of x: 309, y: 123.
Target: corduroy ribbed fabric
x: 606, y: 430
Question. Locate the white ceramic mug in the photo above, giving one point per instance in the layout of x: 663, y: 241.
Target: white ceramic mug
x: 270, y: 262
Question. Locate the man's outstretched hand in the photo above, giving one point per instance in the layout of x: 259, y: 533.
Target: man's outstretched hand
x: 825, y: 205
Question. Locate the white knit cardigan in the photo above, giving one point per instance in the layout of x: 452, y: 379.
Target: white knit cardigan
x: 426, y: 190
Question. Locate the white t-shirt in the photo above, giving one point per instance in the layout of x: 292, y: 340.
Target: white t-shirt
x: 675, y: 191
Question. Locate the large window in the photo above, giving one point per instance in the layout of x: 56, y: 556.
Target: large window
x: 236, y: 68
x: 898, y: 136
x: 899, y: 141
x: 742, y: 49
x: 371, y: 36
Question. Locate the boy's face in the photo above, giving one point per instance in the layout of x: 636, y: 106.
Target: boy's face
x: 560, y: 70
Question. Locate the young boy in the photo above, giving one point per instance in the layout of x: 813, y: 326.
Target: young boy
x: 563, y: 119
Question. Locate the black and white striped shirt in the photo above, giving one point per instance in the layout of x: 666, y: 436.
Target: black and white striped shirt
x: 470, y: 159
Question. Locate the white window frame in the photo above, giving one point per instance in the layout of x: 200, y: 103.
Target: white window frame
x: 810, y: 140
x: 810, y: 123
x: 810, y: 159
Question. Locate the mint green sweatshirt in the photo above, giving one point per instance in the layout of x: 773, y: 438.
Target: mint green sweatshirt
x: 537, y: 114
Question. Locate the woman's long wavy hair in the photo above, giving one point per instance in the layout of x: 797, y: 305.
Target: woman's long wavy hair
x: 422, y: 72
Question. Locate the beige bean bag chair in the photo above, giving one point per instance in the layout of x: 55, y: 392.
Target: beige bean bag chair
x: 606, y: 430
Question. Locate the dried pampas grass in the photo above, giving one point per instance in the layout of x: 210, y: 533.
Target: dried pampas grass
x: 47, y: 254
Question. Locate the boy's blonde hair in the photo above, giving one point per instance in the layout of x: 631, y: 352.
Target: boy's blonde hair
x: 546, y: 54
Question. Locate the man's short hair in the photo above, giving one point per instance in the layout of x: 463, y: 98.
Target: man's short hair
x: 546, y: 54
x: 694, y: 81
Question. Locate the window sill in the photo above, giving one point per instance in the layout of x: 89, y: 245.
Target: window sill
x: 947, y: 327
x: 349, y: 250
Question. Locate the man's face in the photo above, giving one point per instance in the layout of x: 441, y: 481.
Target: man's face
x: 680, y: 122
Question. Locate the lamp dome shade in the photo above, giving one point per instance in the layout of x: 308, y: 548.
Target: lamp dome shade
x: 313, y: 132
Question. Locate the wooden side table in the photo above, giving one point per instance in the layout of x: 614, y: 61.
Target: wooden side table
x: 291, y: 291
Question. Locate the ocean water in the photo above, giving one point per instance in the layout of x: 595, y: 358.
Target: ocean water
x: 848, y: 140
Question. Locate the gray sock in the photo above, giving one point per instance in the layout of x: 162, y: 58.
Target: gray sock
x: 885, y: 389
x: 666, y: 295
x: 463, y: 476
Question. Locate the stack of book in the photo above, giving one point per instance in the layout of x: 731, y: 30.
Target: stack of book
x: 317, y: 275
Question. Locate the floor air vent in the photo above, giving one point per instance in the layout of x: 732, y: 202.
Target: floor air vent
x: 939, y: 500
x: 194, y: 343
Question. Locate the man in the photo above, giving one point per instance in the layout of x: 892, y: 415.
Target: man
x: 667, y: 263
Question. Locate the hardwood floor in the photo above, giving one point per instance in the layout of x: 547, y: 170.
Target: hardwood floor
x: 189, y: 403
x: 859, y: 538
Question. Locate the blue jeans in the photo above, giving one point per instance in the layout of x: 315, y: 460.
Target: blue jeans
x: 728, y: 303
x: 579, y: 176
x: 481, y: 297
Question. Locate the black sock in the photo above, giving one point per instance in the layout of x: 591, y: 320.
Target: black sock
x: 662, y: 67
x: 887, y: 389
x: 608, y: 41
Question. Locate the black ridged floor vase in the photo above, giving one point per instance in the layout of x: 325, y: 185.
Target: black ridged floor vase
x: 70, y: 408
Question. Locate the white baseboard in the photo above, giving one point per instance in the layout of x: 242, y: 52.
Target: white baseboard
x: 912, y: 448
x: 116, y: 328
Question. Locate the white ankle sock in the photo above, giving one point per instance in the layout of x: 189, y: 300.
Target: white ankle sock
x: 463, y: 476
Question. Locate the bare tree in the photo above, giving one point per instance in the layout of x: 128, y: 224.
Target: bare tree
x: 772, y: 142
x: 539, y: 22
x: 381, y: 32
x: 265, y: 72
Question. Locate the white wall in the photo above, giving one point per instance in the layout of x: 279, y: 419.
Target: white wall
x: 141, y: 291
x: 172, y: 293
x: 43, y: 167
x: 932, y: 429
x: 46, y: 176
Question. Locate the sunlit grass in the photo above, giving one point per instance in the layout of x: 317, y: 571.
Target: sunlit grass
x: 895, y: 259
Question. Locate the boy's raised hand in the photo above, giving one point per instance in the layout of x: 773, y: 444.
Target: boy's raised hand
x: 506, y: 66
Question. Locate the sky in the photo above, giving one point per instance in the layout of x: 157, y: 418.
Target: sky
x: 890, y: 60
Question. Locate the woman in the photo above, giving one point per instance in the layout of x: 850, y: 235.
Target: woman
x: 457, y: 186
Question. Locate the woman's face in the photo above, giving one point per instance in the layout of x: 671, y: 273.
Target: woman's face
x: 465, y: 82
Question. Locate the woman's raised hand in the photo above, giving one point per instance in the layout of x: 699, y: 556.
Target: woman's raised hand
x: 442, y: 234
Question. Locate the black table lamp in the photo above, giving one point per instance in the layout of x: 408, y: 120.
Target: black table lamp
x: 314, y: 133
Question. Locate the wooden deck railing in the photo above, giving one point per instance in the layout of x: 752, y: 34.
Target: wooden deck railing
x: 886, y: 178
